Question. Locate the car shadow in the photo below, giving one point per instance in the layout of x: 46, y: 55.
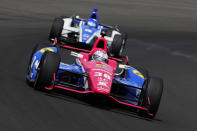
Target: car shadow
x: 97, y: 101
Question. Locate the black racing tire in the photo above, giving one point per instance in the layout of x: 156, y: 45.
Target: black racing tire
x: 116, y: 47
x: 152, y: 97
x: 37, y: 47
x: 48, y: 66
x: 124, y: 42
x: 56, y: 28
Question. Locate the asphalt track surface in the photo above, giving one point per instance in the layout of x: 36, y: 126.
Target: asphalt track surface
x: 162, y: 38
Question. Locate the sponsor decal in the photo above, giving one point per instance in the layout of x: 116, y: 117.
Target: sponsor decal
x: 107, y: 76
x: 138, y: 92
x: 35, y: 63
x: 46, y: 49
x: 102, y: 83
x: 88, y: 30
x: 102, y: 66
x: 101, y: 74
x: 136, y: 72
x: 100, y: 69
x: 86, y: 35
x: 98, y: 64
x: 98, y: 74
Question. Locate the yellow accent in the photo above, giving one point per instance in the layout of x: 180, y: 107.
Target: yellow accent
x: 138, y: 73
x: 46, y: 49
x: 98, y: 64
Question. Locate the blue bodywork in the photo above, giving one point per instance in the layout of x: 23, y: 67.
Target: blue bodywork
x: 90, y: 26
x: 35, y: 60
x: 131, y: 78
x: 88, y: 31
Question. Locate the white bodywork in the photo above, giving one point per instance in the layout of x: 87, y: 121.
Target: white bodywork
x: 68, y: 29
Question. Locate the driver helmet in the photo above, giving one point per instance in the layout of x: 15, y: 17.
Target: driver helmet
x: 100, y: 56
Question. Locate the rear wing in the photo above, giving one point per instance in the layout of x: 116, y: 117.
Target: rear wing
x: 79, y: 49
x: 86, y: 51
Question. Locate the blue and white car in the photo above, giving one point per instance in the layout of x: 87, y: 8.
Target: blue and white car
x: 75, y: 30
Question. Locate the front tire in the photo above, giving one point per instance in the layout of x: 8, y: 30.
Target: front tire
x: 48, y: 66
x: 152, y: 97
x: 36, y: 48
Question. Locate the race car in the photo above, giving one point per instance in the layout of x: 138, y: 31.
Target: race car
x: 75, y: 30
x: 96, y: 73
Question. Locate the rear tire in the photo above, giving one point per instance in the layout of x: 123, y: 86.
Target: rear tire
x: 124, y: 37
x: 48, y: 66
x: 152, y: 97
x: 117, y: 46
x: 56, y: 28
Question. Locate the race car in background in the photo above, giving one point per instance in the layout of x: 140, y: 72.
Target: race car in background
x: 96, y: 73
x: 75, y: 30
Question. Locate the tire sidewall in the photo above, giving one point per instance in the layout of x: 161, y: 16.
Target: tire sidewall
x: 48, y: 66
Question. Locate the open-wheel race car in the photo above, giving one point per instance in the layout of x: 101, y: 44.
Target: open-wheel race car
x: 86, y: 31
x: 95, y: 72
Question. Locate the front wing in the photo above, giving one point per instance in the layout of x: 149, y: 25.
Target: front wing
x: 79, y: 89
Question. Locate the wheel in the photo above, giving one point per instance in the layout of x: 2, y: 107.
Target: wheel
x: 152, y: 97
x: 124, y: 37
x: 117, y: 46
x: 49, y: 65
x: 36, y: 47
x: 56, y: 28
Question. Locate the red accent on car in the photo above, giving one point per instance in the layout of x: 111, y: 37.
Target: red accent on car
x: 51, y: 86
x: 68, y: 89
x: 148, y: 100
x: 124, y: 103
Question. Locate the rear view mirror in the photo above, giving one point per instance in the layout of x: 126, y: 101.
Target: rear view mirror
x: 76, y: 54
x: 121, y: 66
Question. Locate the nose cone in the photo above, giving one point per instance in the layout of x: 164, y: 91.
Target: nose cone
x: 102, y: 90
x: 100, y: 77
x: 100, y: 80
